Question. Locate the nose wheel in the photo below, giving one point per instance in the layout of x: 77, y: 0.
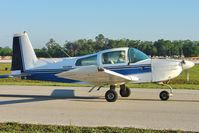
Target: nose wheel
x: 164, y: 95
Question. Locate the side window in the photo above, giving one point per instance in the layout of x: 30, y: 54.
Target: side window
x: 92, y: 60
x: 113, y: 57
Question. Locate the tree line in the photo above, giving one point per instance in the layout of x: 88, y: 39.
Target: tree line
x: 81, y: 47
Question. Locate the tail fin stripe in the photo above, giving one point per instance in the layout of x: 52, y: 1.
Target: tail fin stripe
x: 17, y: 63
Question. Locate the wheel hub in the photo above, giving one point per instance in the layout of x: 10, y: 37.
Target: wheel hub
x: 110, y: 96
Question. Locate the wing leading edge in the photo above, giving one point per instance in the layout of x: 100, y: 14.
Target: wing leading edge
x: 96, y: 75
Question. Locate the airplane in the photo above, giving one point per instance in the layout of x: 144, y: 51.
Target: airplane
x: 113, y: 67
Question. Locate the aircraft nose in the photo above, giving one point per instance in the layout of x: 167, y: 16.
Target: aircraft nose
x: 187, y: 64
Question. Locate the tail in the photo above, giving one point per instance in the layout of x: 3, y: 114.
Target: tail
x: 23, y: 56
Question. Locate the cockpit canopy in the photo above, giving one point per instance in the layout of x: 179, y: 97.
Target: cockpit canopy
x: 113, y: 56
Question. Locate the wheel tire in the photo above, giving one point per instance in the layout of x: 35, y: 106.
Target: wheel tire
x: 125, y: 92
x: 111, y: 96
x: 164, y: 95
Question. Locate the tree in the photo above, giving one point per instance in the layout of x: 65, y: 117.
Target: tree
x: 81, y: 47
x: 6, y: 51
x: 101, y: 42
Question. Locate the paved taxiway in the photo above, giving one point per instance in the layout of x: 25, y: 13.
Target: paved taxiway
x: 75, y: 106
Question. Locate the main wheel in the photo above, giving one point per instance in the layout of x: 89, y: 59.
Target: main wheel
x: 111, y: 96
x: 125, y: 92
x: 164, y: 95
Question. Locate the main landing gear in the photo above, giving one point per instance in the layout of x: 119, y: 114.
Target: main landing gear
x: 111, y: 95
x: 164, y: 95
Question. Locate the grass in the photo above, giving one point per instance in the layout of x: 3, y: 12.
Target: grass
x: 13, y: 127
x: 177, y: 83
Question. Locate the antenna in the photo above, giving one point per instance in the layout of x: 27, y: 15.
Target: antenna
x: 50, y: 56
x: 64, y: 51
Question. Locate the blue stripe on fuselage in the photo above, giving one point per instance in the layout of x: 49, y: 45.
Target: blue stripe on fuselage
x: 49, y: 76
x: 133, y: 69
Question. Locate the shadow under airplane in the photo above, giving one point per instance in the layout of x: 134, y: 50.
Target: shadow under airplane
x: 56, y: 94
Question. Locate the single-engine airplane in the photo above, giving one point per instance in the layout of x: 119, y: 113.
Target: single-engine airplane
x: 116, y: 66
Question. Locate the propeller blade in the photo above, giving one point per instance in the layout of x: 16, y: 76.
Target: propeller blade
x: 187, y: 74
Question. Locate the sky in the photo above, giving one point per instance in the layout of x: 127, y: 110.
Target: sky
x: 146, y: 20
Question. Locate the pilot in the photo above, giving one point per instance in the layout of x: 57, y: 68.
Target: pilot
x: 121, y: 58
x: 106, y: 60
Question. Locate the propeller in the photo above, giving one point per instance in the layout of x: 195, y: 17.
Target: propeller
x: 185, y: 66
x: 186, y: 70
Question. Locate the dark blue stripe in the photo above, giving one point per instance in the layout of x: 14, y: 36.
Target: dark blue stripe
x: 128, y: 66
x: 49, y: 77
x: 132, y: 71
x: 4, y: 76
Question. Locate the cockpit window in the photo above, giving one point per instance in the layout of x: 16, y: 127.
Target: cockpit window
x: 114, y: 57
x: 92, y: 60
x: 136, y: 55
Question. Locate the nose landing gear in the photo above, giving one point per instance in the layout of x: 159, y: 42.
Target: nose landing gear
x: 164, y: 95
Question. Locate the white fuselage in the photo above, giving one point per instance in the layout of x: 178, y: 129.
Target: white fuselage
x: 147, y: 70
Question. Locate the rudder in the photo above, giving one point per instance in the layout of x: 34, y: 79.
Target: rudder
x: 23, y: 56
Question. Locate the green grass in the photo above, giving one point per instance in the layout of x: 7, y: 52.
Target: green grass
x: 12, y: 127
x: 177, y: 83
x: 2, y: 68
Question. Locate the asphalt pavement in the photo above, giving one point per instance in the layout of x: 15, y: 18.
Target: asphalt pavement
x: 76, y: 106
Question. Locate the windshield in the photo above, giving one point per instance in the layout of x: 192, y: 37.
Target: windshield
x: 136, y: 55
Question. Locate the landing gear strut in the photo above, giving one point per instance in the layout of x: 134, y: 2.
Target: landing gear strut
x: 164, y: 95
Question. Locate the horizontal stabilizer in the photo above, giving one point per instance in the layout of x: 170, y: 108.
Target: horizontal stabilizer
x: 16, y: 76
x: 6, y: 76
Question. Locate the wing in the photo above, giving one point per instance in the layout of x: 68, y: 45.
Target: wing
x: 15, y: 75
x: 96, y: 75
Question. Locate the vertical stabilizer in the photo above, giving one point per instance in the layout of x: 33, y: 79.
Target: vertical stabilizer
x: 23, y: 56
